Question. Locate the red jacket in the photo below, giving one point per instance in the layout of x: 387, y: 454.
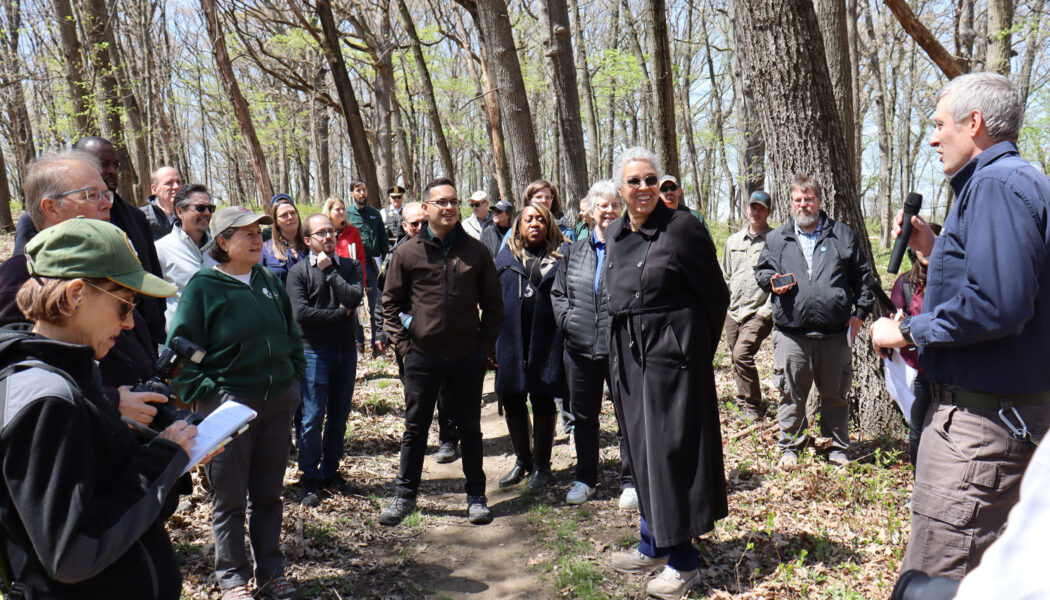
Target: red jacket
x: 349, y: 245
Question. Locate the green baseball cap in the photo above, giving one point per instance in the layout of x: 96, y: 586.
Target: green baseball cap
x: 91, y: 249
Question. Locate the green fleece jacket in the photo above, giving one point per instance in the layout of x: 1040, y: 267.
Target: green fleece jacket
x: 253, y: 344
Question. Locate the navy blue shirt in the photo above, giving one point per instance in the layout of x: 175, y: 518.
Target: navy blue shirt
x: 985, y: 321
x: 599, y: 251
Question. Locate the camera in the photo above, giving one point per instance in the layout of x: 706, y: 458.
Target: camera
x: 172, y: 360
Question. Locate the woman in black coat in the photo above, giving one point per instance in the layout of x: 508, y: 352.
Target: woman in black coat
x: 668, y: 302
x: 528, y: 349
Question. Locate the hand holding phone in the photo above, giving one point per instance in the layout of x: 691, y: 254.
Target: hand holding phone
x: 782, y: 283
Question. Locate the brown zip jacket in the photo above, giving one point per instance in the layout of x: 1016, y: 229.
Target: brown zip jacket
x: 442, y: 284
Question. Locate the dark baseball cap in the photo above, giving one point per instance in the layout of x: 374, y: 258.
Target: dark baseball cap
x: 91, y: 249
x: 761, y: 197
x: 503, y: 206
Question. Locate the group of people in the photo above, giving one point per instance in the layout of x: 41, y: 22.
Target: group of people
x: 633, y: 301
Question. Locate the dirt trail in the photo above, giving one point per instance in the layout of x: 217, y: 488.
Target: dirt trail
x: 467, y: 561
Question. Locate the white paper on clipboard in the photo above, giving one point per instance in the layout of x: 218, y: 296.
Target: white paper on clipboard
x: 899, y: 377
x: 217, y: 428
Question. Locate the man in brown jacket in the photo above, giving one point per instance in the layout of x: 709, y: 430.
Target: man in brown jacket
x: 436, y: 284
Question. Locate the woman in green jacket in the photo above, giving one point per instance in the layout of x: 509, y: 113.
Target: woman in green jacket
x: 239, y: 312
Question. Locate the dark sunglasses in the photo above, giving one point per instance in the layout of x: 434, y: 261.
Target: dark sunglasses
x: 208, y: 208
x: 417, y: 224
x: 637, y: 182
x: 670, y: 187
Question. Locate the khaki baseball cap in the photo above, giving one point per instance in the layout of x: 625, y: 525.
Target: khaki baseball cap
x: 91, y: 249
x: 235, y: 216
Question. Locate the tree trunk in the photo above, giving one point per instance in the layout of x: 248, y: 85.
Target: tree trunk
x: 130, y: 103
x: 589, y: 115
x: 964, y: 33
x: 752, y: 154
x: 324, y: 173
x: 523, y: 155
x: 559, y: 48
x: 348, y: 101
x: 76, y: 79
x: 663, y: 88
x: 831, y: 14
x: 1000, y: 24
x: 428, y: 92
x: 240, y: 105
x: 17, y: 110
x: 882, y: 120
x: 6, y: 223
x: 1033, y: 42
x: 795, y: 92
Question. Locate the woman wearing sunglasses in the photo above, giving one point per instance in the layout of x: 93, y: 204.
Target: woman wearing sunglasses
x: 668, y: 303
x: 81, y: 497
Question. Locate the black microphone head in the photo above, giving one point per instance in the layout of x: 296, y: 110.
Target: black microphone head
x: 913, y: 203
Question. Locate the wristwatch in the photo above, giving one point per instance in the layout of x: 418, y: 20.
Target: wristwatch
x: 906, y: 331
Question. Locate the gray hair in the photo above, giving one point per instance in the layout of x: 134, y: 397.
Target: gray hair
x: 409, y: 206
x: 47, y: 179
x: 991, y: 94
x: 630, y: 155
x: 603, y: 188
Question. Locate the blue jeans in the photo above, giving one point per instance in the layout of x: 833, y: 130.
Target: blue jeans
x: 327, y: 387
x: 683, y: 557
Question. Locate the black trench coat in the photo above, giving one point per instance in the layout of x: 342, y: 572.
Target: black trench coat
x: 668, y: 302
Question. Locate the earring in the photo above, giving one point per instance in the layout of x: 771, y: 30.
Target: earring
x: 77, y: 307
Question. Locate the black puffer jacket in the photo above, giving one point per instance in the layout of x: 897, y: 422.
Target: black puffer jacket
x: 583, y: 317
x: 823, y: 301
x: 79, y: 496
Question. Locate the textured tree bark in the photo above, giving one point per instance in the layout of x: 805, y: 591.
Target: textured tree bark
x: 1000, y: 23
x: 1033, y: 41
x: 428, y: 91
x: 831, y: 15
x: 559, y: 48
x: 522, y: 153
x: 348, y: 101
x: 136, y: 125
x: 324, y: 173
x: 925, y: 38
x: 794, y: 91
x: 964, y: 33
x: 14, y: 95
x: 663, y: 87
x: 240, y: 105
x: 76, y: 79
x: 751, y: 156
x: 6, y: 223
x: 589, y: 115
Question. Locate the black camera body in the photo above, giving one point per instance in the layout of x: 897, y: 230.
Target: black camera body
x: 172, y: 360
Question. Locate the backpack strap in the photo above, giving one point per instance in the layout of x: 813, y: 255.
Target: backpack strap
x: 32, y: 364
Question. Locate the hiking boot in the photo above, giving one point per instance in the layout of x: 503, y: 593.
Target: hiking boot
x: 628, y: 499
x: 788, y: 460
x: 541, y: 478
x: 839, y: 458
x: 446, y: 453
x: 478, y: 512
x: 237, y: 592
x: 672, y: 584
x: 278, y: 588
x: 580, y: 493
x: 309, y: 496
x: 634, y: 561
x: 397, y: 511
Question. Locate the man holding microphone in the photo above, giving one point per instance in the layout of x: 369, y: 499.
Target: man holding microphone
x: 985, y: 318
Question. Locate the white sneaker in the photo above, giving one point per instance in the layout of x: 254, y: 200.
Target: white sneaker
x: 629, y: 499
x: 580, y: 493
x: 671, y: 584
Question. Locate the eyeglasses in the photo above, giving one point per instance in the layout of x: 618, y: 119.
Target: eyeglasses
x: 477, y: 204
x: 201, y: 208
x: 323, y: 233
x: 637, y: 182
x: 444, y: 203
x: 91, y: 195
x: 126, y: 306
x: 396, y: 196
x: 670, y: 187
x: 417, y: 224
x: 608, y: 206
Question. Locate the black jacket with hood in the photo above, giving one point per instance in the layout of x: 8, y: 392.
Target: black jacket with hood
x: 80, y: 497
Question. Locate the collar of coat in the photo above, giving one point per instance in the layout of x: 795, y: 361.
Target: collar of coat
x: 657, y: 221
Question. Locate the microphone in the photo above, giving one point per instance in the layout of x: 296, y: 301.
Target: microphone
x: 911, y: 209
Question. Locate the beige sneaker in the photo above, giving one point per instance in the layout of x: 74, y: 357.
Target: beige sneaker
x: 634, y: 561
x: 671, y: 584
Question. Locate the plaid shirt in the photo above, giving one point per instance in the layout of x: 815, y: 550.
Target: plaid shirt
x: 808, y: 243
